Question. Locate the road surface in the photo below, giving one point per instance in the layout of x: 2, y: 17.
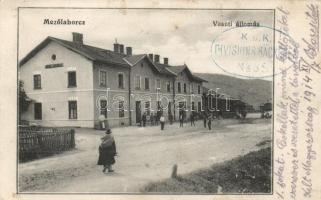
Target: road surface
x: 145, y: 155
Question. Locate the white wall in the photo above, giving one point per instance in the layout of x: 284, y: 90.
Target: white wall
x: 114, y: 92
x: 151, y: 95
x: 54, y: 93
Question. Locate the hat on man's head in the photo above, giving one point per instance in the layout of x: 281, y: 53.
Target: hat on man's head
x: 108, y: 131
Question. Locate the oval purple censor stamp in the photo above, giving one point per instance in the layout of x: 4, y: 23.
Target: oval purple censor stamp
x: 245, y: 51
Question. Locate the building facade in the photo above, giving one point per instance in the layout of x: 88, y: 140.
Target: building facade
x: 74, y: 84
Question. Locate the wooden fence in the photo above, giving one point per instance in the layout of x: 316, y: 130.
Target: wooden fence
x: 35, y: 142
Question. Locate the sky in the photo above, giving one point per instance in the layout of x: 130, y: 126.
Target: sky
x: 184, y: 36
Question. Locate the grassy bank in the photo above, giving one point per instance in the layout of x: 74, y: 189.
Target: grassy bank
x: 246, y: 174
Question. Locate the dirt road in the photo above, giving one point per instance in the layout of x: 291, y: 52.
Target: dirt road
x: 145, y: 155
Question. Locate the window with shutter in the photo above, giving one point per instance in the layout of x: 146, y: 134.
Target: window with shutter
x: 72, y: 109
x: 158, y: 84
x: 137, y: 82
x: 72, y: 79
x: 146, y: 83
x: 37, y: 81
x: 103, y: 107
x: 38, y: 111
x: 103, y: 79
x: 168, y: 86
x: 179, y: 87
x: 121, y: 109
x: 121, y: 81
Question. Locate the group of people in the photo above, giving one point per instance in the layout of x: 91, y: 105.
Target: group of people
x: 159, y: 118
x: 107, y: 148
x: 207, y: 119
x: 155, y: 119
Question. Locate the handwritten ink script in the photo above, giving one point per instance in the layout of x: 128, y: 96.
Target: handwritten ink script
x: 309, y: 66
x: 295, y: 141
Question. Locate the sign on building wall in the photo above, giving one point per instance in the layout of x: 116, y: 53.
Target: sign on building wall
x: 49, y: 66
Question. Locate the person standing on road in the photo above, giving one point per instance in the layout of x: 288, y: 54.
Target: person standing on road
x: 162, y: 121
x: 204, y: 120
x: 181, y: 120
x: 107, y: 151
x: 157, y: 117
x: 192, y: 119
x: 209, y: 123
x: 144, y: 119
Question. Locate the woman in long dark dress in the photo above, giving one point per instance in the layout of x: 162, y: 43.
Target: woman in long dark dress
x: 107, y: 151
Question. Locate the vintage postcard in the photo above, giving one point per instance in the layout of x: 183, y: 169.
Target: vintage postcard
x: 182, y: 99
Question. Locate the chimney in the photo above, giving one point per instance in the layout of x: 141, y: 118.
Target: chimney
x: 129, y: 51
x: 156, y: 58
x: 77, y: 38
x: 166, y: 61
x: 121, y: 48
x: 116, y: 47
x: 151, y: 56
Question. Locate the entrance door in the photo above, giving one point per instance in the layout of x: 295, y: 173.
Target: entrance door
x: 138, y: 112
